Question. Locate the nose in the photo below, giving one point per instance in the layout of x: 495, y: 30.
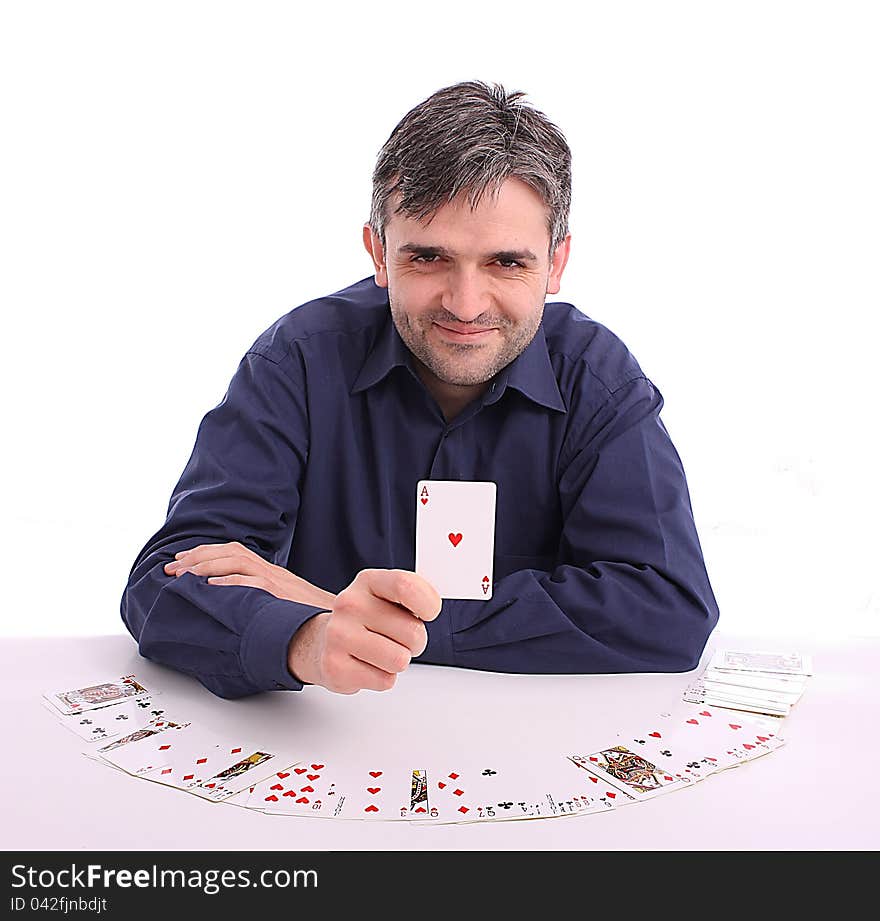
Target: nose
x: 466, y: 294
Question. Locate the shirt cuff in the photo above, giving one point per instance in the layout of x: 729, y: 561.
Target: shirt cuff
x: 439, y: 648
x: 266, y: 640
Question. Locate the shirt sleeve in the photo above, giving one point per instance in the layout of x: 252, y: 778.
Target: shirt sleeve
x: 232, y: 638
x: 629, y: 591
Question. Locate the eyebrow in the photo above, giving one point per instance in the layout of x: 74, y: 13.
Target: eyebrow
x: 506, y: 255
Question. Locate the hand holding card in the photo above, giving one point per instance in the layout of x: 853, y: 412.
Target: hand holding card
x: 374, y: 629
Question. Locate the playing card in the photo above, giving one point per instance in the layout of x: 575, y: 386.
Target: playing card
x: 144, y: 750
x: 96, y: 696
x: 631, y: 772
x: 184, y: 760
x: 455, y: 537
x: 789, y: 663
x: 237, y: 766
x: 605, y: 795
x: 152, y: 728
x: 792, y: 685
x: 375, y: 790
x: 695, y: 741
x: 306, y: 788
x: 495, y: 789
x: 109, y: 722
x: 698, y: 693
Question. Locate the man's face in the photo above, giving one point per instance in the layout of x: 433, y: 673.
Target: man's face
x: 467, y: 288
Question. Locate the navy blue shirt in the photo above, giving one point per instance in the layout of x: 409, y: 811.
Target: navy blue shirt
x: 312, y: 458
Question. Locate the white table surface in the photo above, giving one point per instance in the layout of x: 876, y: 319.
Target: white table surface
x: 814, y: 793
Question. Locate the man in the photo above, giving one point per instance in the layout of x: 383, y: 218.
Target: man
x: 287, y: 554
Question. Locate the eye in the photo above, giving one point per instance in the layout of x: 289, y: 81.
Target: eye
x: 425, y: 258
x: 510, y: 264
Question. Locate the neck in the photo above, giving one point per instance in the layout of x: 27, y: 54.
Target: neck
x: 451, y: 398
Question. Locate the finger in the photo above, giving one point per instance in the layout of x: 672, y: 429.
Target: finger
x: 397, y: 624
x: 209, y: 551
x: 361, y: 675
x: 380, y: 652
x: 224, y: 566
x: 405, y: 588
x: 237, y: 579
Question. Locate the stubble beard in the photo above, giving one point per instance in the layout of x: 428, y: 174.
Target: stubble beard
x: 452, y: 366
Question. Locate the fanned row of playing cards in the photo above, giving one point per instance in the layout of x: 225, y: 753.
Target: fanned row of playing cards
x: 665, y: 753
x: 769, y: 683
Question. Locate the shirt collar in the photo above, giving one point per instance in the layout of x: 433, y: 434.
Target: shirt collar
x: 532, y: 375
x: 530, y: 372
x: 389, y: 351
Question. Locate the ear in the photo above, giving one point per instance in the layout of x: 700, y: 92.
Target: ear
x: 373, y: 246
x: 557, y: 265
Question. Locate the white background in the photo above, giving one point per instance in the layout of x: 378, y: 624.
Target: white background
x: 177, y: 175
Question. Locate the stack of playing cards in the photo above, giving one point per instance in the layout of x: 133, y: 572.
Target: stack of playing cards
x: 662, y: 754
x: 104, y: 711
x: 758, y: 682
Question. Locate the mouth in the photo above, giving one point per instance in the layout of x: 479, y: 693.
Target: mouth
x: 472, y: 336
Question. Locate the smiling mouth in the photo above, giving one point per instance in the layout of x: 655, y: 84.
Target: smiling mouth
x: 472, y: 335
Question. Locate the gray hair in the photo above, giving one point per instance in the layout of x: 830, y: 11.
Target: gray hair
x: 471, y: 137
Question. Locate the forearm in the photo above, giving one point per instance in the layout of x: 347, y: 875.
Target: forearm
x: 234, y: 639
x: 608, y: 618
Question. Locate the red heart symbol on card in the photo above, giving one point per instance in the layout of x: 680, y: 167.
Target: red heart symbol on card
x: 210, y: 786
x: 299, y: 770
x: 302, y: 799
x: 313, y: 776
x: 283, y: 774
x: 455, y: 539
x: 371, y: 809
x: 594, y: 779
x: 612, y: 795
x: 277, y: 786
x: 373, y: 790
x: 655, y: 735
x: 705, y: 713
x: 423, y: 500
x: 317, y: 767
x: 289, y: 793
x: 695, y: 722
x: 375, y: 773
x: 307, y: 789
x: 593, y: 759
x: 421, y: 809
x: 272, y: 799
x: 734, y: 726
x: 710, y: 758
x: 762, y: 738
x: 749, y: 747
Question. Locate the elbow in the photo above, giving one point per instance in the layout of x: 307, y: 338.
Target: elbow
x: 700, y: 619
